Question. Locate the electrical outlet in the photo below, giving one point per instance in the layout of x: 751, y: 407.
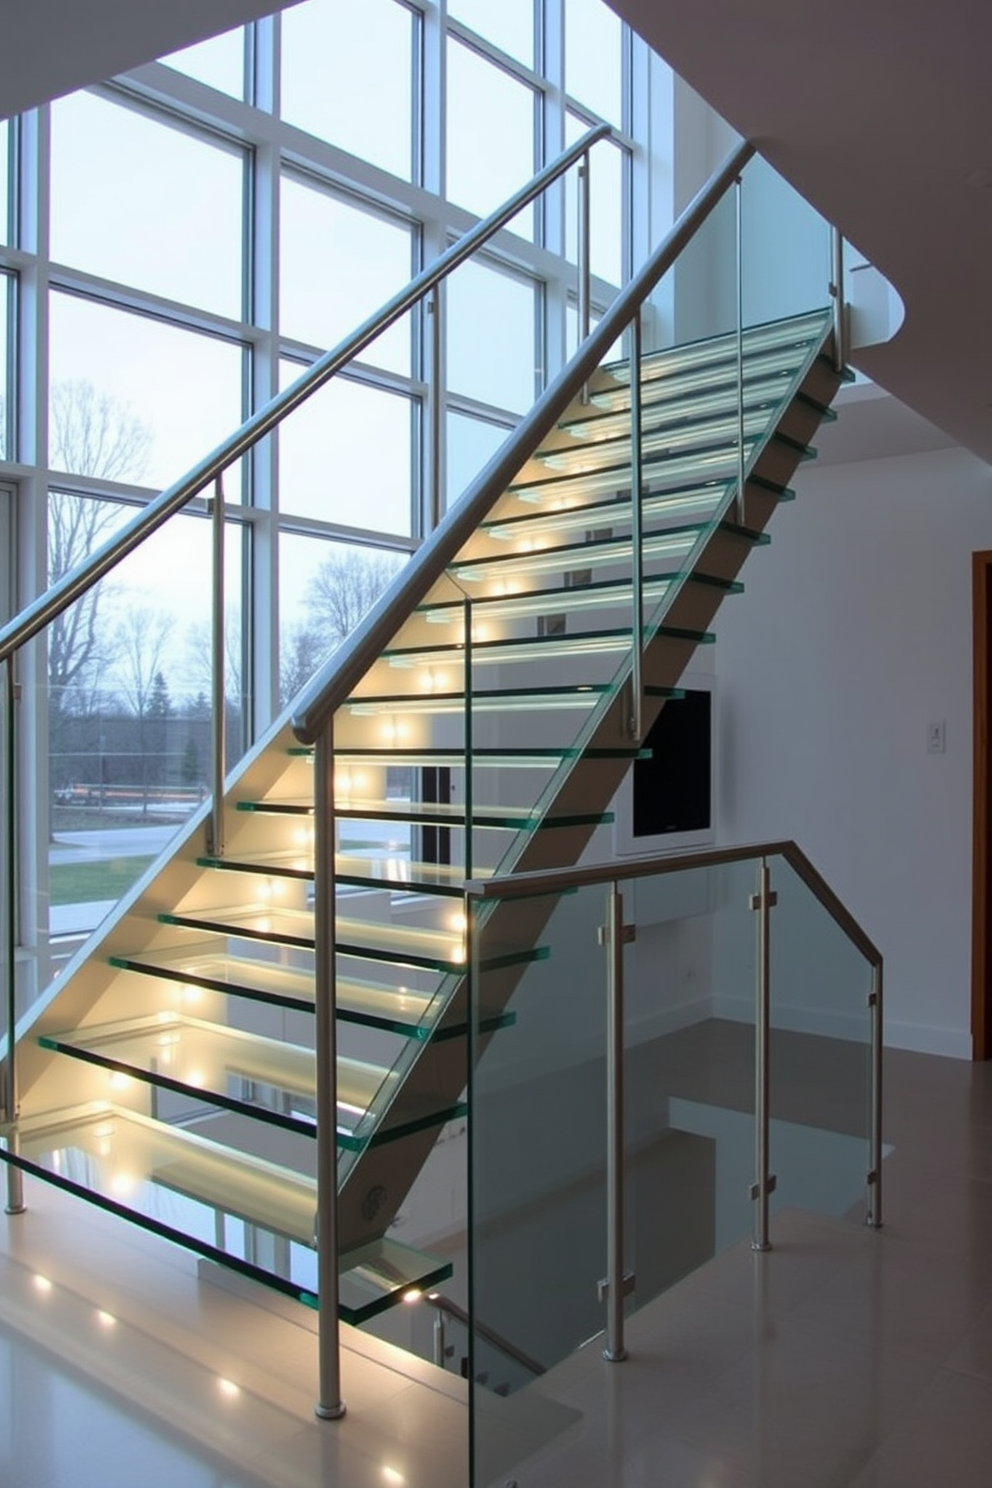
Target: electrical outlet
x: 935, y: 736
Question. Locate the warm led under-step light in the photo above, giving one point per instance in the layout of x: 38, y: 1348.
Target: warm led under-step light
x: 590, y: 457
x: 697, y: 502
x: 676, y: 544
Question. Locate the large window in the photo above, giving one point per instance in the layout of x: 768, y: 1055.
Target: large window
x: 178, y: 244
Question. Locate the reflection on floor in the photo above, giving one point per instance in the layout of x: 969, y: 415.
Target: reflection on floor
x: 842, y: 1359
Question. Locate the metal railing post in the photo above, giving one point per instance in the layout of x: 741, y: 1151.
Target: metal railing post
x: 739, y: 204
x: 875, y: 1175
x: 615, y: 1285
x: 764, y: 1184
x: 584, y: 265
x: 15, y: 1178
x: 637, y: 534
x: 837, y: 295
x: 440, y: 1343
x: 468, y: 739
x: 330, y: 1405
x: 435, y: 395
x: 219, y: 698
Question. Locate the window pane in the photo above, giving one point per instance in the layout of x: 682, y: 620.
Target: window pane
x: 6, y: 289
x: 129, y: 716
x: 494, y: 314
x: 218, y: 62
x: 345, y: 456
x: 337, y: 265
x: 471, y: 441
x: 594, y: 58
x: 5, y: 135
x: 606, y: 205
x: 137, y: 400
x: 508, y: 25
x: 490, y: 136
x: 324, y: 590
x: 347, y: 77
x: 112, y: 220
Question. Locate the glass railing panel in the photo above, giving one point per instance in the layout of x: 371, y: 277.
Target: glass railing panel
x: 820, y: 1055
x: 537, y: 1130
x: 785, y: 248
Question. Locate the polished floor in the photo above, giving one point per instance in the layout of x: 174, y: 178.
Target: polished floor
x: 844, y: 1358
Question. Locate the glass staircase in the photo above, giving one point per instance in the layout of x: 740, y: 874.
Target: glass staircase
x: 171, y: 1076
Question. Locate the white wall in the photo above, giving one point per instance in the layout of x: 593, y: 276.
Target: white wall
x: 853, y: 634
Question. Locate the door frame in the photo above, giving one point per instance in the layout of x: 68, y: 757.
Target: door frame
x: 981, y: 875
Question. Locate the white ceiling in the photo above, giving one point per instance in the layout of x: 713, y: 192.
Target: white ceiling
x: 880, y: 113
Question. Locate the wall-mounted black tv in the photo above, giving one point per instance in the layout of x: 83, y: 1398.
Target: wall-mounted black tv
x: 667, y: 802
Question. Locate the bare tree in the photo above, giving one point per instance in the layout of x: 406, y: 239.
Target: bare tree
x: 302, y: 651
x: 142, y: 638
x: 343, y: 590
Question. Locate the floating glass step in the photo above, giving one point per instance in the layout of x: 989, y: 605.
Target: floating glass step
x: 409, y: 945
x: 801, y: 332
x: 766, y: 393
x: 513, y: 700
x: 587, y: 458
x: 428, y: 813
x: 696, y: 503
x: 675, y: 544
x: 200, y: 965
x: 390, y: 870
x: 218, y: 1202
x: 524, y: 648
x: 658, y: 473
x: 756, y: 365
x: 500, y: 759
x: 607, y: 594
x: 259, y: 1077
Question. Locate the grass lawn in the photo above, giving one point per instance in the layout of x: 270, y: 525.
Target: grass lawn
x: 81, y: 883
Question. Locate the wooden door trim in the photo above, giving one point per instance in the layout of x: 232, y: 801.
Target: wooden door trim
x: 981, y: 875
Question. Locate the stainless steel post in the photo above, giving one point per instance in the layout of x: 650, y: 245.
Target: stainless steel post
x: 739, y: 203
x: 435, y: 395
x: 764, y: 1184
x: 439, y: 1339
x: 15, y: 1178
x: 219, y: 699
x: 637, y: 534
x: 614, y: 1350
x: 469, y: 803
x: 875, y: 1175
x: 584, y: 266
x: 837, y: 295
x: 329, y: 1405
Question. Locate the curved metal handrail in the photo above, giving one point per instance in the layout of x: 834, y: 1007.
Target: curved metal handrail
x: 331, y: 686
x: 47, y: 607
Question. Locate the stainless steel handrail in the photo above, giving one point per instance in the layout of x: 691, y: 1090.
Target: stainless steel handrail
x: 37, y: 615
x: 557, y: 880
x: 332, y: 685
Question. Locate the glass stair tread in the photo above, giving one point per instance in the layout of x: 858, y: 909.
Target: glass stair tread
x: 520, y: 648
x: 204, y: 965
x: 521, y: 758
x: 202, y: 1059
x: 390, y: 870
x: 676, y: 543
x: 705, y: 435
x: 756, y: 365
x: 658, y: 472
x: 677, y: 409
x: 500, y: 700
x: 431, y: 813
x: 801, y: 330
x: 378, y: 1276
x: 577, y: 598
x: 694, y: 503
x: 133, y: 1162
x: 413, y: 945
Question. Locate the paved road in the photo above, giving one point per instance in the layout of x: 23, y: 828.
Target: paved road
x: 109, y: 842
